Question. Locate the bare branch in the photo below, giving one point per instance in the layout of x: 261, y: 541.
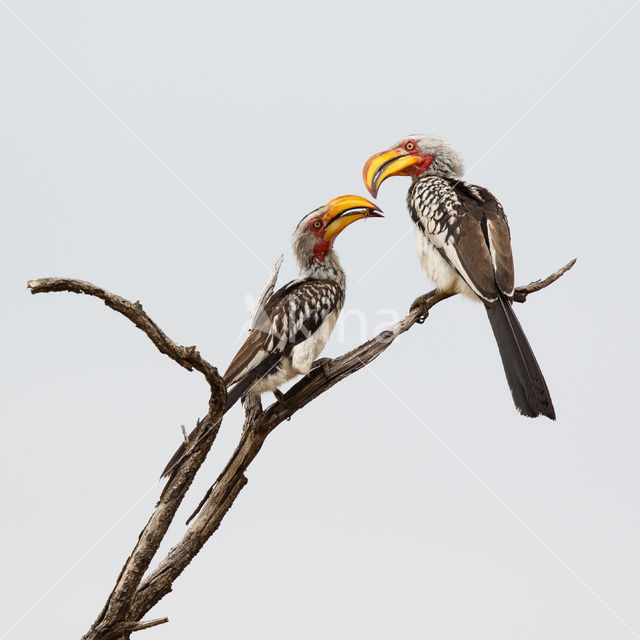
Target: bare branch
x: 132, y: 597
x: 130, y: 627
x: 521, y: 293
x: 258, y: 425
x: 109, y: 623
x: 160, y: 580
x: 187, y: 357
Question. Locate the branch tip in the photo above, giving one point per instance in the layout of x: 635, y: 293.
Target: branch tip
x: 520, y: 293
x: 130, y: 627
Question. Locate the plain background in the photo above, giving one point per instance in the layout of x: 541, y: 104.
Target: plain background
x: 362, y: 517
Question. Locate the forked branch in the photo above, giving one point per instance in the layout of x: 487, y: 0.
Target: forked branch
x: 133, y: 597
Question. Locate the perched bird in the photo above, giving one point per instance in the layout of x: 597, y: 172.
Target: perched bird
x: 464, y: 245
x: 298, y: 319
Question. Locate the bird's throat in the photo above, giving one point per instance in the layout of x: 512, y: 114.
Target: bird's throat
x: 418, y: 169
x: 321, y: 249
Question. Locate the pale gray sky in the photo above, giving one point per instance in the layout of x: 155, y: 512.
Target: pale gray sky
x: 358, y: 522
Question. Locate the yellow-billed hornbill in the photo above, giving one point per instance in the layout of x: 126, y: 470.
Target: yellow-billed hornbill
x: 297, y: 320
x: 464, y: 245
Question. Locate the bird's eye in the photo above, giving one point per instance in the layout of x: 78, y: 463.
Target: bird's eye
x: 316, y: 224
x: 409, y: 146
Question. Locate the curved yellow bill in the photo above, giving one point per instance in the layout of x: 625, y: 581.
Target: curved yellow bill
x: 342, y: 211
x: 384, y: 164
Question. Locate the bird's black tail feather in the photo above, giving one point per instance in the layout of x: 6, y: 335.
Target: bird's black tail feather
x: 528, y: 387
x: 233, y: 395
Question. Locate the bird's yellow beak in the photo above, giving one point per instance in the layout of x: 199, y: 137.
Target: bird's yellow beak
x: 379, y: 167
x: 342, y: 211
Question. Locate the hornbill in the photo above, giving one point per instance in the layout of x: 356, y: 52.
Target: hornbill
x: 464, y: 245
x: 297, y: 320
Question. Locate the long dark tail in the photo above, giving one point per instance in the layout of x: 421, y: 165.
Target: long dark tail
x: 528, y: 388
x: 233, y: 395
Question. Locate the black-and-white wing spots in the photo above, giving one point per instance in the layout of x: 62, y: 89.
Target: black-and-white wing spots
x: 468, y: 228
x: 298, y: 314
x: 433, y: 205
x: 290, y: 316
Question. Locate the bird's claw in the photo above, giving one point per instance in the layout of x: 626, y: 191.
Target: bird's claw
x: 280, y: 399
x: 323, y: 363
x: 420, y: 304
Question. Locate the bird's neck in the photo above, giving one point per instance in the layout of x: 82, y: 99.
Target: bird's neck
x: 439, y: 169
x: 326, y: 268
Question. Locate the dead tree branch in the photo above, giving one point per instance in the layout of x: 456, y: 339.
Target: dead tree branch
x: 114, y: 618
x: 130, y: 627
x: 521, y: 293
x: 133, y: 597
x: 187, y: 357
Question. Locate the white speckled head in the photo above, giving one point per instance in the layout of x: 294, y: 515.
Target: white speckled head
x: 446, y: 161
x: 305, y: 243
x: 413, y: 156
x: 304, y: 240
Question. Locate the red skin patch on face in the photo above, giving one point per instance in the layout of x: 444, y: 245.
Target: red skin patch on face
x: 316, y: 226
x: 411, y: 146
x: 422, y: 166
x: 322, y: 246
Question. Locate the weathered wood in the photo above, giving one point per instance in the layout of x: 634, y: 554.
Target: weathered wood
x: 187, y: 357
x: 132, y: 597
x: 521, y: 293
x: 115, y: 613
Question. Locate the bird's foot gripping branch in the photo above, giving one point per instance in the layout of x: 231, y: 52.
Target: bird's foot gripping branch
x: 423, y: 303
x: 132, y: 596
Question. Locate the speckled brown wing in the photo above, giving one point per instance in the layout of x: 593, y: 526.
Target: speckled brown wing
x: 251, y: 353
x: 291, y: 315
x: 483, y: 244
